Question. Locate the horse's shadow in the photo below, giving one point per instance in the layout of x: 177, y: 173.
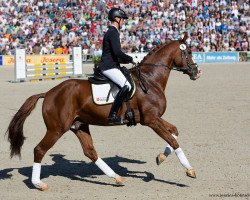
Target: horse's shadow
x: 84, y: 171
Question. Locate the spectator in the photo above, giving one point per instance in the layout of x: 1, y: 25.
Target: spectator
x: 206, y: 47
x: 231, y: 47
x: 213, y: 47
x: 85, y: 52
x: 44, y: 49
x: 218, y: 25
x: 97, y: 51
x: 37, y: 49
x: 65, y: 49
x: 59, y: 50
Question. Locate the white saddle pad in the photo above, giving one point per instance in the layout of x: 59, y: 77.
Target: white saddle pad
x: 100, y: 94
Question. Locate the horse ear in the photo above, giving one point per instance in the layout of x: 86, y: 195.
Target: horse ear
x: 185, y: 37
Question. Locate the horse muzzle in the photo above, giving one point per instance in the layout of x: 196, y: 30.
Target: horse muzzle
x: 195, y: 72
x: 198, y: 74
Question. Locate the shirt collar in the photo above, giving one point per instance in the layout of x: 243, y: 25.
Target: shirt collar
x: 115, y: 27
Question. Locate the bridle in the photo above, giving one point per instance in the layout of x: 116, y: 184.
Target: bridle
x: 186, y: 70
x: 190, y: 66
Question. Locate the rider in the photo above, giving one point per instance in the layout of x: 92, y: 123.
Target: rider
x: 111, y: 58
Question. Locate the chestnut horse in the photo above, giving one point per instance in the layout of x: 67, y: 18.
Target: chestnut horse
x: 71, y: 102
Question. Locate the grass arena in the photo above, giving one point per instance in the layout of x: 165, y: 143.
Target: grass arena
x: 211, y: 114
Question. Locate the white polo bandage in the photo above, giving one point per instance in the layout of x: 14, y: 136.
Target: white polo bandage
x: 182, y: 158
x: 36, y: 171
x: 105, y: 168
x: 168, y: 150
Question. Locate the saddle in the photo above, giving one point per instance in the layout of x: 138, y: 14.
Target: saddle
x: 104, y: 91
x: 99, y: 79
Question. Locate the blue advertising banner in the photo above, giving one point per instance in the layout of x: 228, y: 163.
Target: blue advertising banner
x: 215, y: 57
x: 1, y: 60
x: 198, y: 57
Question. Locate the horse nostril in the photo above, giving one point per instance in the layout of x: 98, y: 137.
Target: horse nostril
x: 192, y: 78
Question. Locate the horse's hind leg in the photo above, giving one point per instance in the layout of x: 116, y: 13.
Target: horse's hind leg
x: 40, y: 150
x: 84, y: 136
x: 163, y: 130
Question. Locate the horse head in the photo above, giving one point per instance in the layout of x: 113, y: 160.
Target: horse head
x: 174, y: 55
x: 183, y: 60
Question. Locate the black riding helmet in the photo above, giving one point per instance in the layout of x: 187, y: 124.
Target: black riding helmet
x: 117, y: 12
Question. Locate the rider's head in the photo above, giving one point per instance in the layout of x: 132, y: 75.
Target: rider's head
x: 117, y: 15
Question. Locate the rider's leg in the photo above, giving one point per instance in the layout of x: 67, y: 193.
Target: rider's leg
x: 113, y: 115
x: 117, y: 77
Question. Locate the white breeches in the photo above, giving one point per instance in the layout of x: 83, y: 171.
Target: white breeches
x: 117, y: 77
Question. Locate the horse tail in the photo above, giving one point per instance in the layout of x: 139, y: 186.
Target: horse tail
x: 15, y: 129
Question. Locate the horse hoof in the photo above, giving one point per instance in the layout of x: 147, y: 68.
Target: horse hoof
x: 119, y: 180
x: 41, y: 186
x: 191, y: 173
x: 160, y: 158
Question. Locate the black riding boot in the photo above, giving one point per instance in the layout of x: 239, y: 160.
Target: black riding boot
x: 113, y: 115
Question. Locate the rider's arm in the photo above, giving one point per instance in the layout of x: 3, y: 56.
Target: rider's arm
x: 116, y: 48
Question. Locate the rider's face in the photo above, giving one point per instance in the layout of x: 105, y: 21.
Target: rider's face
x: 122, y: 21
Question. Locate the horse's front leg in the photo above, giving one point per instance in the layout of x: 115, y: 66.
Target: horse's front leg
x: 83, y: 134
x: 169, y: 133
x: 168, y: 149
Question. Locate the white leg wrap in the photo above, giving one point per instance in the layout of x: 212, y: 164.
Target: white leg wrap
x: 168, y: 150
x: 36, y: 171
x: 183, y: 159
x: 105, y: 168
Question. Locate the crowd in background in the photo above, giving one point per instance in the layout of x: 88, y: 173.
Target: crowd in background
x: 56, y: 26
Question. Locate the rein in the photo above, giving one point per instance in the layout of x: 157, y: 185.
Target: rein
x: 143, y: 84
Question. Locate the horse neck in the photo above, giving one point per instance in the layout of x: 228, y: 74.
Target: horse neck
x: 155, y: 69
